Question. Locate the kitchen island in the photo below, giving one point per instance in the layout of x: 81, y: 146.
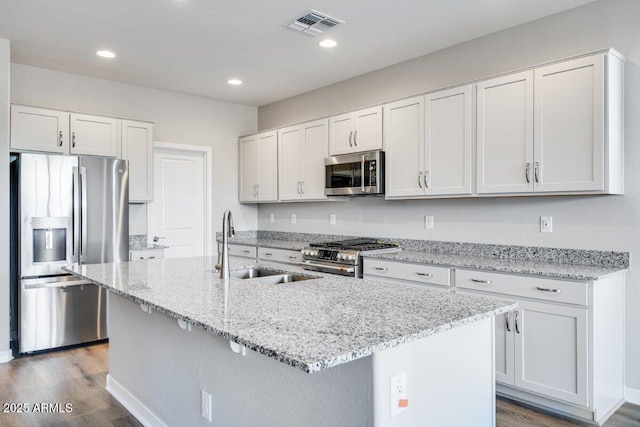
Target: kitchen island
x: 321, y: 351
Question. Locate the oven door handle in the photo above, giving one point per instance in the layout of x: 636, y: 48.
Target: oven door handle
x: 328, y: 266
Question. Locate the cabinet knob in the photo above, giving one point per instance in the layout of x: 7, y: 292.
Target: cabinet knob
x: 73, y: 139
x: 60, y: 138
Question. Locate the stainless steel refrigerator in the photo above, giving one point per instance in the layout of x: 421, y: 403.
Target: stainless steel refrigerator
x: 66, y: 210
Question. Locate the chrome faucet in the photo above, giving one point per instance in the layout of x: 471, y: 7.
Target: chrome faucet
x: 223, y: 258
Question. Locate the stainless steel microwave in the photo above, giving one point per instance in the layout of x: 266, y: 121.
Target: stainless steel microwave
x: 355, y: 174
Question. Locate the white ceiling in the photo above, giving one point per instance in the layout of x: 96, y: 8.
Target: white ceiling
x: 195, y: 46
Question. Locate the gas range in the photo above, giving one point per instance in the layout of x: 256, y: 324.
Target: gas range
x: 343, y: 257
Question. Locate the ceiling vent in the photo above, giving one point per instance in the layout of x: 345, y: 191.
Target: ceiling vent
x: 315, y: 23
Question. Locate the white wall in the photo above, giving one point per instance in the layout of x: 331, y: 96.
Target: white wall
x: 4, y: 196
x: 178, y: 118
x: 585, y: 222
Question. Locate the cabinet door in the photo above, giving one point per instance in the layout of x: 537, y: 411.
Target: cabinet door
x: 314, y: 135
x: 551, y: 351
x: 505, y: 370
x: 248, y: 157
x: 137, y: 148
x: 404, y: 141
x: 39, y: 129
x: 268, y: 167
x: 341, y: 134
x: 505, y: 134
x: 569, y: 125
x: 367, y: 133
x: 94, y: 135
x: 447, y: 167
x: 290, y: 155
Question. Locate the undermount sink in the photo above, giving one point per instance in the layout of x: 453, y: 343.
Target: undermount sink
x: 252, y: 273
x: 270, y: 277
x: 283, y: 278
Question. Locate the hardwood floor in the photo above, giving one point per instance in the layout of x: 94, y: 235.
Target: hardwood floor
x: 75, y: 377
x: 78, y: 377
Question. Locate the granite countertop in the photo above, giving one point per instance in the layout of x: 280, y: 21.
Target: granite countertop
x: 310, y: 325
x: 506, y: 265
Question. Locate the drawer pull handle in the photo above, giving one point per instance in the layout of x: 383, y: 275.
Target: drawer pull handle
x: 293, y: 257
x: 557, y: 291
x: 382, y: 269
x: 247, y: 252
x: 268, y: 254
x: 488, y: 282
x: 424, y: 274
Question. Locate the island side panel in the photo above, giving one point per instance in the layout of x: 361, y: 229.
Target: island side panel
x: 450, y: 379
x: 165, y: 368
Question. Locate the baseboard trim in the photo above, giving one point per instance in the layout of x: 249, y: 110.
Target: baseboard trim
x: 133, y: 405
x: 6, y: 356
x: 632, y: 395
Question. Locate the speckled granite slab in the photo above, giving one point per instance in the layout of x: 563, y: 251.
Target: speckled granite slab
x: 575, y: 264
x: 505, y: 265
x: 310, y: 325
x: 138, y: 242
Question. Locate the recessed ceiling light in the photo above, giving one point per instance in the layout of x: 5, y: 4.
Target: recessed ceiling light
x: 234, y: 82
x: 106, y: 54
x: 328, y: 43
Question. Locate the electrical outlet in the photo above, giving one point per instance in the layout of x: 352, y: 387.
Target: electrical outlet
x: 428, y: 222
x: 332, y: 219
x: 546, y: 224
x: 293, y: 218
x: 272, y: 218
x: 206, y: 406
x: 398, y: 394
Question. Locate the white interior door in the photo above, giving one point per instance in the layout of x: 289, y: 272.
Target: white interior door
x: 178, y: 210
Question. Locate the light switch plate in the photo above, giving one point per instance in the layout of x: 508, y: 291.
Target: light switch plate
x: 272, y: 218
x: 332, y: 219
x: 293, y: 218
x: 206, y: 405
x: 546, y: 224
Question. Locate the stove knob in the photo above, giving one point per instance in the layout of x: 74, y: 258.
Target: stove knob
x: 314, y: 253
x: 340, y: 256
x: 305, y: 252
x: 351, y: 258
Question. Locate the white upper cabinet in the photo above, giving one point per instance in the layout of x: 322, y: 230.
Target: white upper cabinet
x: 355, y: 132
x: 553, y: 129
x: 301, y: 153
x: 569, y: 125
x: 404, y: 142
x: 504, y: 134
x: 94, y: 135
x: 259, y: 167
x: 53, y: 131
x: 447, y: 164
x: 39, y: 129
x: 428, y: 144
x: 137, y: 148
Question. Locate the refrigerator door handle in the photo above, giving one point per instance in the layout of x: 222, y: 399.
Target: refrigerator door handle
x: 76, y: 215
x: 83, y: 212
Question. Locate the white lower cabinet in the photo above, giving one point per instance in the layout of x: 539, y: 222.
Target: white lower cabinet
x: 146, y: 254
x: 240, y: 251
x: 286, y: 256
x: 415, y: 273
x: 564, y: 347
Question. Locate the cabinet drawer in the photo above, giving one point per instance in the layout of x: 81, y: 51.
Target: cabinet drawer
x: 523, y: 286
x: 280, y: 255
x: 146, y: 254
x: 420, y: 273
x: 241, y: 251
